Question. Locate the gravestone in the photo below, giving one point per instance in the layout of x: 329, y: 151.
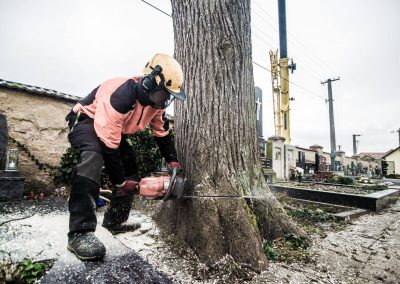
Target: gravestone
x: 11, y: 182
x: 3, y: 141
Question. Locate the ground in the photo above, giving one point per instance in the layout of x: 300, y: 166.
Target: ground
x: 365, y: 251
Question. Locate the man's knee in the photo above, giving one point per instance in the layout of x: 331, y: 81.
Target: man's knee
x: 90, y: 166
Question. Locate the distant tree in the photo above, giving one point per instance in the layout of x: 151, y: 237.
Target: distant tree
x: 217, y: 140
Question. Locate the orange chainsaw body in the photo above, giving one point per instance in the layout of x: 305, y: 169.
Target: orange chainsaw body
x: 161, y: 185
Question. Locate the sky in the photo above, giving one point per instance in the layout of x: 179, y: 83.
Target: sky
x: 72, y: 46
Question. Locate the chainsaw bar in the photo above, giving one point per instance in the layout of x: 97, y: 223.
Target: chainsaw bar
x: 220, y: 197
x: 175, y: 191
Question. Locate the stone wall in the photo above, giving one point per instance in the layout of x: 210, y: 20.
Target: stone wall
x: 37, y: 122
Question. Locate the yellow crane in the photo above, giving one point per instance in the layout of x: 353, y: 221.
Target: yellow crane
x: 280, y: 79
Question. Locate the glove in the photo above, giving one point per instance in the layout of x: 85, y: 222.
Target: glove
x: 129, y: 187
x: 177, y: 165
x: 71, y: 119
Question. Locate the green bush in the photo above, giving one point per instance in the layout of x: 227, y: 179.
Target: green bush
x: 64, y: 172
x: 148, y: 158
x: 269, y: 251
x: 376, y: 187
x: 30, y: 272
x: 340, y: 180
x: 315, y: 215
x: 393, y: 176
x: 296, y: 241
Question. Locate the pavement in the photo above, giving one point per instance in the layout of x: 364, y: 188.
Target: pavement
x: 38, y: 230
x: 366, y: 251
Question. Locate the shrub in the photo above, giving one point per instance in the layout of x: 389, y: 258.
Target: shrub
x: 393, y: 176
x: 340, y: 180
x: 296, y: 241
x: 64, y: 172
x: 269, y: 251
x: 148, y: 158
x: 376, y: 187
x: 314, y: 215
x: 30, y: 272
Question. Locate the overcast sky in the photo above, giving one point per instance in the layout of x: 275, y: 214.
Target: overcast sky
x: 72, y: 46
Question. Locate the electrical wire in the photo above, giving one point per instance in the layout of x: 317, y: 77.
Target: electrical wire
x: 259, y: 65
x: 260, y: 35
x: 165, y: 13
x: 294, y: 40
x: 308, y: 70
x: 290, y: 82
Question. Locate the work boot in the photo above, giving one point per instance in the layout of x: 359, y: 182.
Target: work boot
x: 122, y: 227
x: 86, y: 246
x: 117, y: 214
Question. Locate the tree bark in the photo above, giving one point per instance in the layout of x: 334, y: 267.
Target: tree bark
x: 216, y: 138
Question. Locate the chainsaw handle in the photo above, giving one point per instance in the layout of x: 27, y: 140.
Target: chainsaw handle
x: 171, y: 185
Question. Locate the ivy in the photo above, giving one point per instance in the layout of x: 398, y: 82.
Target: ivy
x: 314, y: 215
x: 296, y: 241
x: 30, y: 272
x: 269, y: 251
x: 340, y: 180
x: 148, y: 156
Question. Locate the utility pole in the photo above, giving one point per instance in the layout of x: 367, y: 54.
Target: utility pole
x: 331, y: 122
x: 355, y: 143
x: 398, y: 130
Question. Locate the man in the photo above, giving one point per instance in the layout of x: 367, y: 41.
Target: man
x: 98, y: 124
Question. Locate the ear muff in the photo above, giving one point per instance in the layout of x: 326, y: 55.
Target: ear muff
x: 149, y: 81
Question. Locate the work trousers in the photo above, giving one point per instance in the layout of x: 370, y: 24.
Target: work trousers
x: 87, y: 176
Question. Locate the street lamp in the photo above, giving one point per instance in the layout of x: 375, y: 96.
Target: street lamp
x: 398, y: 130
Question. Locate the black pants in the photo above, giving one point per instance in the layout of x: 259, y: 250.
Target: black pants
x: 87, y: 178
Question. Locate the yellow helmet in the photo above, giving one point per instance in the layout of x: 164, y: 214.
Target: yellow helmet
x: 171, y: 75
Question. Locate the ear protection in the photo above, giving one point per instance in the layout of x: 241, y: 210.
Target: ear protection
x: 149, y: 82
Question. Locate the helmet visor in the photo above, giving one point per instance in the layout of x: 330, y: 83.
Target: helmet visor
x: 178, y: 94
x: 161, y: 98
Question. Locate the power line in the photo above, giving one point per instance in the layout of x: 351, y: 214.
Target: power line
x: 294, y: 39
x: 290, y: 82
x: 297, y: 47
x: 261, y: 35
x: 295, y: 44
x: 165, y: 13
x: 259, y: 65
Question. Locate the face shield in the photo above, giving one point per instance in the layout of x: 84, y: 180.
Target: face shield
x: 160, y: 98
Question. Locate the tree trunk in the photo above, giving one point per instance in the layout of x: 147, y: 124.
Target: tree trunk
x: 216, y: 138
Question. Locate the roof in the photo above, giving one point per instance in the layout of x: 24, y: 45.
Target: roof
x: 37, y: 90
x: 316, y: 146
x: 390, y: 152
x: 375, y: 155
x: 306, y: 149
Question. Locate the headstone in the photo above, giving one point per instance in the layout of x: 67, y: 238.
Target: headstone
x: 3, y: 140
x: 11, y: 183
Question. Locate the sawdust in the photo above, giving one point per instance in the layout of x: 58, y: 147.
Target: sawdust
x: 365, y: 251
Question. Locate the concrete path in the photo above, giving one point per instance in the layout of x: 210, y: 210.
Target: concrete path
x: 368, y: 251
x: 38, y: 231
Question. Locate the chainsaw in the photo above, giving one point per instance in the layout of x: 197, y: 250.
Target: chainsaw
x: 161, y: 185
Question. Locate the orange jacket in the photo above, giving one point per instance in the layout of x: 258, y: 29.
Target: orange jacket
x: 110, y: 124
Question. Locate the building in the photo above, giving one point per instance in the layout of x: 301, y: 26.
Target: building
x: 392, y: 162
x: 36, y: 123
